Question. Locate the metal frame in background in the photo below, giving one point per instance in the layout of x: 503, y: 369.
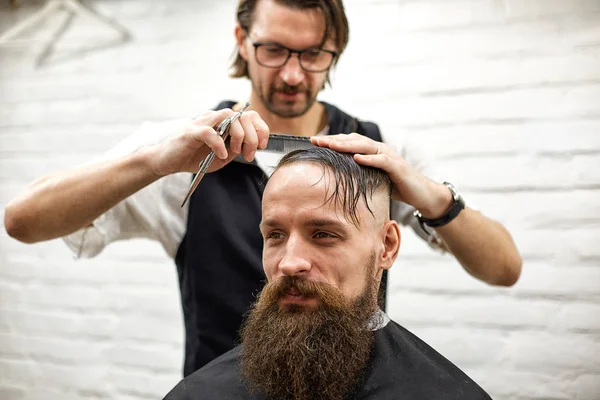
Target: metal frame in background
x: 73, y: 7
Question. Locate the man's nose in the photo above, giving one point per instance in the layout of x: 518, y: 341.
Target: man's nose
x: 295, y: 260
x: 292, y: 73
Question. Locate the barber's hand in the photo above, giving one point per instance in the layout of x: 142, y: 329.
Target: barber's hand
x: 183, y: 151
x: 409, y: 186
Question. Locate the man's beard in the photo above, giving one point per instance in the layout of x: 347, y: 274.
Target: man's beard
x: 302, y: 353
x: 290, y: 109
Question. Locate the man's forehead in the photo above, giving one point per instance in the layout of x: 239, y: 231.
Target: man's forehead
x: 303, y: 175
x: 277, y: 22
x: 311, y: 186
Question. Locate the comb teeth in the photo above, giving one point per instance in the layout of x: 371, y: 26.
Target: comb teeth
x: 287, y: 143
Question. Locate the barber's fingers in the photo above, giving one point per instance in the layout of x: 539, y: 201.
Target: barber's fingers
x: 213, y: 118
x: 341, y: 137
x: 339, y: 140
x: 381, y: 161
x: 357, y: 147
x: 247, y: 134
x: 236, y: 137
x: 206, y: 135
x: 203, y: 129
x: 261, y: 127
x: 351, y: 143
x: 250, y: 138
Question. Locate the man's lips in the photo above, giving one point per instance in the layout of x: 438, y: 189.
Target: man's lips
x: 288, y: 94
x: 293, y: 295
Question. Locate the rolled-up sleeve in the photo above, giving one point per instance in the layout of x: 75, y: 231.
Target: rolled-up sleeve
x: 145, y: 214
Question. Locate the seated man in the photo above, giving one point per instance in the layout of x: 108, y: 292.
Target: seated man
x: 316, y: 331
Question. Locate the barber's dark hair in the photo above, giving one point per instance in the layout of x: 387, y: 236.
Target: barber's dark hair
x: 353, y: 181
x: 336, y: 26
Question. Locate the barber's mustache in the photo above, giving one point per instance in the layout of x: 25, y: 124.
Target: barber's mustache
x: 289, y: 89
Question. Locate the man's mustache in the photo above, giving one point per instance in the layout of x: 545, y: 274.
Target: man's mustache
x: 288, y: 89
x: 329, y: 296
x: 299, y: 286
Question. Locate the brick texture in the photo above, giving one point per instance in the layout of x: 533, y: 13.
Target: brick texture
x: 504, y: 95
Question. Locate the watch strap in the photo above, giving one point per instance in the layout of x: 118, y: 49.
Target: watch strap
x: 457, y: 206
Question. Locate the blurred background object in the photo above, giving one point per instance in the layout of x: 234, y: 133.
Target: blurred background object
x: 504, y: 95
x: 49, y: 10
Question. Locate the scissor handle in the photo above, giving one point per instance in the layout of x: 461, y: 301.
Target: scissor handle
x: 223, y: 128
x: 205, y: 164
x: 223, y: 131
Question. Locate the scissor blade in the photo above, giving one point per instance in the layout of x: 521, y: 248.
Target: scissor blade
x: 204, y: 165
x: 193, y: 186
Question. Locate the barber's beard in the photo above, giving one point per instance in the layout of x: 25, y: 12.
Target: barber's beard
x: 301, y: 353
x: 288, y: 109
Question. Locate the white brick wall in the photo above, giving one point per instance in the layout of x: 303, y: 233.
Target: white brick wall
x: 504, y: 94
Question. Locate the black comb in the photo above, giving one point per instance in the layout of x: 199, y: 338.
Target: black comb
x: 286, y: 143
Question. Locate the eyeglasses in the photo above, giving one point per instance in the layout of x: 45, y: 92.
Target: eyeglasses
x: 272, y: 55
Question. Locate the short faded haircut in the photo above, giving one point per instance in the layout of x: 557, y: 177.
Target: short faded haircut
x: 352, y: 181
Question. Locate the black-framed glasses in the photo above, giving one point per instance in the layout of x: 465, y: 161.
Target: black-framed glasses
x: 273, y: 55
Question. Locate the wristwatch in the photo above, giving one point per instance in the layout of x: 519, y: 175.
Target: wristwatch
x: 457, y: 206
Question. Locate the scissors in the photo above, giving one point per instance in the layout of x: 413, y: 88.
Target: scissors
x: 223, y: 131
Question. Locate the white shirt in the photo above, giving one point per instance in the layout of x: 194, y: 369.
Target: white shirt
x: 155, y: 211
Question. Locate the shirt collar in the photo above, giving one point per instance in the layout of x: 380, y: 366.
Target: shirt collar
x: 378, y: 320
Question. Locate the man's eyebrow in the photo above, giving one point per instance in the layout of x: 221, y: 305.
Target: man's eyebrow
x: 275, y: 43
x: 315, y: 222
x: 268, y: 223
x: 325, y: 222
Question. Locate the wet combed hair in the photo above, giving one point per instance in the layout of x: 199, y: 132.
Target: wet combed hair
x: 353, y: 181
x: 336, y: 26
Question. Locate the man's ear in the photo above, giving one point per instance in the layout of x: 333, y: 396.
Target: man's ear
x: 390, y: 241
x: 240, y: 37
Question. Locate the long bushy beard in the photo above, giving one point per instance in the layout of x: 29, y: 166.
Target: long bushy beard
x: 301, y: 353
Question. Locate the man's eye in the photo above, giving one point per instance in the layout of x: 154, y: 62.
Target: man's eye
x: 274, y: 50
x: 323, y: 235
x: 274, y: 235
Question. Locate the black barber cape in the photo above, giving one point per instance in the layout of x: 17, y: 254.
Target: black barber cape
x: 402, y: 367
x: 219, y: 261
